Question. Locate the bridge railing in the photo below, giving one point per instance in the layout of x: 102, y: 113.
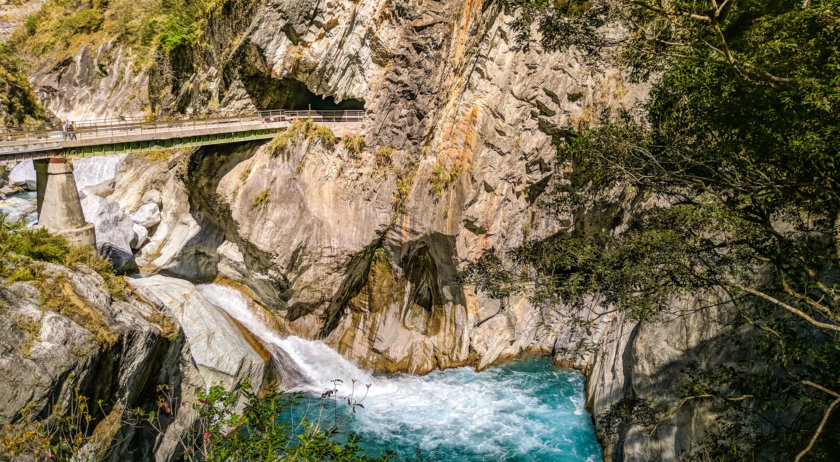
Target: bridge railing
x: 103, y: 128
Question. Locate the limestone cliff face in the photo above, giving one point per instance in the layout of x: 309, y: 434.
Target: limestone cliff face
x: 97, y: 83
x: 115, y: 353
x: 472, y: 122
x: 650, y: 363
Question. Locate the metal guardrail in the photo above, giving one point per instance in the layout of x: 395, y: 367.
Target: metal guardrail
x: 33, y: 141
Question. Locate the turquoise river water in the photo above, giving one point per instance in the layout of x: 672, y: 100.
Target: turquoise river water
x: 526, y: 410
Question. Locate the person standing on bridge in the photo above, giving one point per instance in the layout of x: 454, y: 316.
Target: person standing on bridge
x: 72, y: 130
x: 64, y: 131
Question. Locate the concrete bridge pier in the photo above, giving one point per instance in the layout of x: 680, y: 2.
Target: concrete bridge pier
x: 59, y: 207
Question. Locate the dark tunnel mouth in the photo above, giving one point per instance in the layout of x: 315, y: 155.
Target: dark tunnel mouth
x: 291, y: 94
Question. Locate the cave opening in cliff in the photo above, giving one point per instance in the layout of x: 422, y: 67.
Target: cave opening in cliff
x: 291, y: 94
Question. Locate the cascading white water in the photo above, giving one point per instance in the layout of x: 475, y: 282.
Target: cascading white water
x: 527, y: 410
x: 319, y: 363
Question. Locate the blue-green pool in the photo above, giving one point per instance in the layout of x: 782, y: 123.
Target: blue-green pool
x: 526, y: 410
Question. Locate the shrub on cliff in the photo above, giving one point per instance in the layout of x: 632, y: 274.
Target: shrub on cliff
x: 384, y: 156
x: 261, y: 199
x: 18, y: 106
x: 355, y: 144
x: 740, y: 142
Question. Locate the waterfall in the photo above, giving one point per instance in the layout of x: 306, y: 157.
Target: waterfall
x: 306, y: 365
x: 522, y: 411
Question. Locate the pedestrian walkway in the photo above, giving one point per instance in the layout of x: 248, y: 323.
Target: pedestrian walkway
x: 105, y: 137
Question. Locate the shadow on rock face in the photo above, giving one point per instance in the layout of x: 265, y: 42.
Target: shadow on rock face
x: 426, y: 269
x: 123, y: 261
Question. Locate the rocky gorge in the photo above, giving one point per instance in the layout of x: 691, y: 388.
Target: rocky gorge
x: 361, y: 248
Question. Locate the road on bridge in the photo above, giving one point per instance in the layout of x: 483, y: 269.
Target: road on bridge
x: 111, y: 136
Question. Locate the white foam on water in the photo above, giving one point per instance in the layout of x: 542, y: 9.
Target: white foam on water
x: 320, y: 363
x: 501, y: 413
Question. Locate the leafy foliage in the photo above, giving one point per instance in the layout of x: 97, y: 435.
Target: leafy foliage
x: 442, y: 177
x: 625, y: 413
x: 62, y: 439
x: 18, y: 106
x: 734, y: 172
x: 384, y: 156
x: 146, y: 26
x: 355, y: 144
x: 304, y: 129
x: 22, y: 255
x: 261, y: 199
x: 260, y: 433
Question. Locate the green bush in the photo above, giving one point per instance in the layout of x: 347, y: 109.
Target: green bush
x: 260, y: 433
x: 177, y: 30
x: 384, y: 156
x: 31, y: 24
x: 355, y: 144
x: 86, y: 21
x: 279, y: 144
x: 261, y: 199
x: 441, y: 178
x: 22, y: 250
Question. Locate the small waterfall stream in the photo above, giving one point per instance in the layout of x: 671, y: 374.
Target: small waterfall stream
x: 526, y: 410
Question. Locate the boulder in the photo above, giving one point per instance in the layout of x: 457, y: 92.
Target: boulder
x: 152, y: 195
x: 147, y: 215
x: 141, y: 236
x: 23, y: 175
x: 96, y: 174
x: 218, y: 347
x: 114, y: 230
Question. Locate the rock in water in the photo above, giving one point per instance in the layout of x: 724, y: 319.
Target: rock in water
x: 18, y: 207
x: 23, y: 175
x: 147, y: 215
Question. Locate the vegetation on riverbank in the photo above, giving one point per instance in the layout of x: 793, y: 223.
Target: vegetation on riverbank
x: 24, y: 254
x: 259, y: 432
x: 739, y: 148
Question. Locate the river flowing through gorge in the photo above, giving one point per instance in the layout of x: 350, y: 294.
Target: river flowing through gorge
x: 522, y: 410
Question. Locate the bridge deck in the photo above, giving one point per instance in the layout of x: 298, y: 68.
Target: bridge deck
x: 113, y: 137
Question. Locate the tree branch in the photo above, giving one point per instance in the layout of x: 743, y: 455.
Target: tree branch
x: 826, y: 414
x: 784, y: 305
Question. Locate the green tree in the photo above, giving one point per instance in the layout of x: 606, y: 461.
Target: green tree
x: 740, y: 138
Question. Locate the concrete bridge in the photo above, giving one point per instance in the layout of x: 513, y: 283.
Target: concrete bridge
x: 106, y: 137
x: 59, y: 208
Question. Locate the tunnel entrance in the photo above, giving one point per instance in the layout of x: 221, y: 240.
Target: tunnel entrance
x: 291, y: 94
x: 268, y: 92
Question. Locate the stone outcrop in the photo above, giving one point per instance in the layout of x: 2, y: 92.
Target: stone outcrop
x: 116, y: 351
x: 101, y: 83
x: 105, y: 347
x: 650, y: 363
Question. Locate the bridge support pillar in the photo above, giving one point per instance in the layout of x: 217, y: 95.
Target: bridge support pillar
x: 59, y: 207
